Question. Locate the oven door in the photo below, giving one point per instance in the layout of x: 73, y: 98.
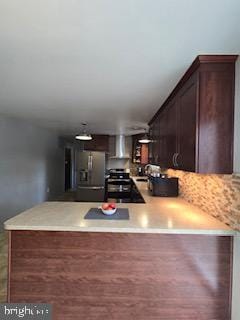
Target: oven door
x: 119, y: 188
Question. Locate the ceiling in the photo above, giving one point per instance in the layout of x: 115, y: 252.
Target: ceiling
x: 108, y: 63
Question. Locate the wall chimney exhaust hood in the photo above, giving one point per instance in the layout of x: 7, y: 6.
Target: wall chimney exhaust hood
x: 120, y: 148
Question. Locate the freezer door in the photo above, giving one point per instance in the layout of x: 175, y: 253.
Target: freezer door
x: 83, y: 174
x: 90, y: 194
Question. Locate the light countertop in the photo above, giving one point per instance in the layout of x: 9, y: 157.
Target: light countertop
x: 157, y: 215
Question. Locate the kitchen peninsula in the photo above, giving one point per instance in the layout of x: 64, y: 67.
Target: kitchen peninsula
x: 169, y: 261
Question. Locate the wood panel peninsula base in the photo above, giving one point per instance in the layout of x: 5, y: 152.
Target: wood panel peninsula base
x: 122, y: 276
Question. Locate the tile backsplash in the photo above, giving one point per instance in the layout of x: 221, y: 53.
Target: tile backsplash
x: 218, y: 195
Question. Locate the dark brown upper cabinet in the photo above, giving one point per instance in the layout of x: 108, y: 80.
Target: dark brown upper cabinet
x: 98, y: 143
x: 193, y: 129
x: 168, y: 135
x: 154, y: 134
x: 150, y: 145
x: 186, y: 157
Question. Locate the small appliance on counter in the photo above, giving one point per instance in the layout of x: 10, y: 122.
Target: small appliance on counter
x: 162, y: 186
x: 151, y: 169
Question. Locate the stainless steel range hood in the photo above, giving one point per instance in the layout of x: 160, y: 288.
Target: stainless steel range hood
x: 120, y: 148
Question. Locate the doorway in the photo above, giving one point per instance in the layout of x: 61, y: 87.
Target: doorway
x: 68, y: 169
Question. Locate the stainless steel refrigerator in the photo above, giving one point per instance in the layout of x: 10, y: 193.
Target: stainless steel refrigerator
x: 90, y: 176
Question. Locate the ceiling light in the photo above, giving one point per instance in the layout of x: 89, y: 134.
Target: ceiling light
x: 144, y: 138
x: 84, y: 136
x: 136, y: 128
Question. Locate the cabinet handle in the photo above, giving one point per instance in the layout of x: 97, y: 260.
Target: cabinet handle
x: 173, y: 159
x: 176, y: 163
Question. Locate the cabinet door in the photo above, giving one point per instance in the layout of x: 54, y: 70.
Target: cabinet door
x: 171, y: 134
x: 168, y: 135
x: 98, y: 143
x: 165, y: 143
x: 187, y: 124
x: 216, y: 98
x: 155, y: 141
x: 150, y: 146
x: 162, y: 139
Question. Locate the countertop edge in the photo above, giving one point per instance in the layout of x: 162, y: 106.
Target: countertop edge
x: 125, y: 230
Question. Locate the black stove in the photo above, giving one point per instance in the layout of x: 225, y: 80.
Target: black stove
x: 121, y: 188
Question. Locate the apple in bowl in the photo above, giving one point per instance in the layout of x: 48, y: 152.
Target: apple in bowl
x: 108, y: 208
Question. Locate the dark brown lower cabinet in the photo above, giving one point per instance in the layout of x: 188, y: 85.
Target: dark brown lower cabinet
x: 122, y: 276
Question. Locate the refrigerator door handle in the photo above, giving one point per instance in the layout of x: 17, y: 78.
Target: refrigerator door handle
x: 90, y: 166
x: 91, y: 162
x: 92, y: 188
x: 97, y: 188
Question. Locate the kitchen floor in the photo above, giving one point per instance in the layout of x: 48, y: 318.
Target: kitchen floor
x: 3, y: 266
x: 69, y: 195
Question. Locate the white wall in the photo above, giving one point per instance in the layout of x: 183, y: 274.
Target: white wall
x: 236, y: 166
x: 236, y: 279
x: 31, y: 166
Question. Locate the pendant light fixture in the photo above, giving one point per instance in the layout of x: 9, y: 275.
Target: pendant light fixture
x: 144, y: 138
x: 84, y: 136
